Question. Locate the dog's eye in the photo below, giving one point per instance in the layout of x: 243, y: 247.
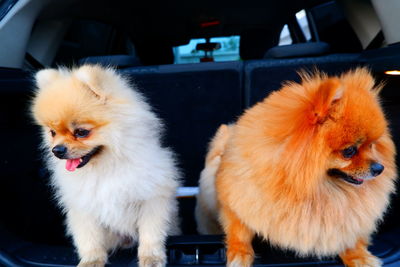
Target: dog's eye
x: 81, y: 133
x: 349, y: 152
x: 53, y: 133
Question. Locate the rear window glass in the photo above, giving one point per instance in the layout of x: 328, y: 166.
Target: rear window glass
x: 228, y: 51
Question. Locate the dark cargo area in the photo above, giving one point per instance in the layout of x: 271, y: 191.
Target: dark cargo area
x: 141, y: 40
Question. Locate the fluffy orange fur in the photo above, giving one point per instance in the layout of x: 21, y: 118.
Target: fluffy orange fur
x: 273, y: 181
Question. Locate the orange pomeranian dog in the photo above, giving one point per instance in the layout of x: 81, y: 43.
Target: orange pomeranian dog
x: 311, y: 169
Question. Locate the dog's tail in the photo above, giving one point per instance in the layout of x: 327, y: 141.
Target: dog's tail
x: 206, y: 208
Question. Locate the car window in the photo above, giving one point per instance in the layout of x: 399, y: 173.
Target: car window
x: 5, y: 6
x: 228, y: 51
x: 285, y: 38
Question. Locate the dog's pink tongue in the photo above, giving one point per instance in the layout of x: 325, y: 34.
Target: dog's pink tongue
x: 72, y: 164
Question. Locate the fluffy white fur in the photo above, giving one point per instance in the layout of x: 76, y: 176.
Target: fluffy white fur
x: 128, y: 190
x: 206, y: 212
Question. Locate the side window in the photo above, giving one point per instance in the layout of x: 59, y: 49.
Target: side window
x: 5, y: 6
x: 301, y: 17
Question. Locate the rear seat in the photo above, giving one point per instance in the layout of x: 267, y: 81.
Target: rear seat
x: 265, y: 76
x: 117, y: 61
x: 193, y: 100
x: 25, y: 199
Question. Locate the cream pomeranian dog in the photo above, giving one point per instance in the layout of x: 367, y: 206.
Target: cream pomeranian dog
x: 112, y: 177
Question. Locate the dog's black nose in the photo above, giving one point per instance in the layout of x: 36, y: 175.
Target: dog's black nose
x: 376, y: 169
x: 59, y: 151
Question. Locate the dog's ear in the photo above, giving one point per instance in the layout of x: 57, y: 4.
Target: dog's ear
x: 45, y: 77
x: 329, y: 93
x: 91, y: 76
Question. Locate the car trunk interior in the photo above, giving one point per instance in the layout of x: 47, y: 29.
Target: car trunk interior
x: 193, y: 100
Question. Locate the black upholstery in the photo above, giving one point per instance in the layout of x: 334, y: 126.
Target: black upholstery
x: 25, y: 197
x: 255, y: 42
x: 298, y: 50
x: 117, y: 61
x: 264, y: 76
x: 193, y: 100
x: 391, y: 103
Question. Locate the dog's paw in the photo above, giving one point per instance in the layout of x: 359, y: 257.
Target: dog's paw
x: 368, y: 261
x: 241, y: 260
x: 152, y: 255
x: 98, y: 263
x: 152, y: 261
